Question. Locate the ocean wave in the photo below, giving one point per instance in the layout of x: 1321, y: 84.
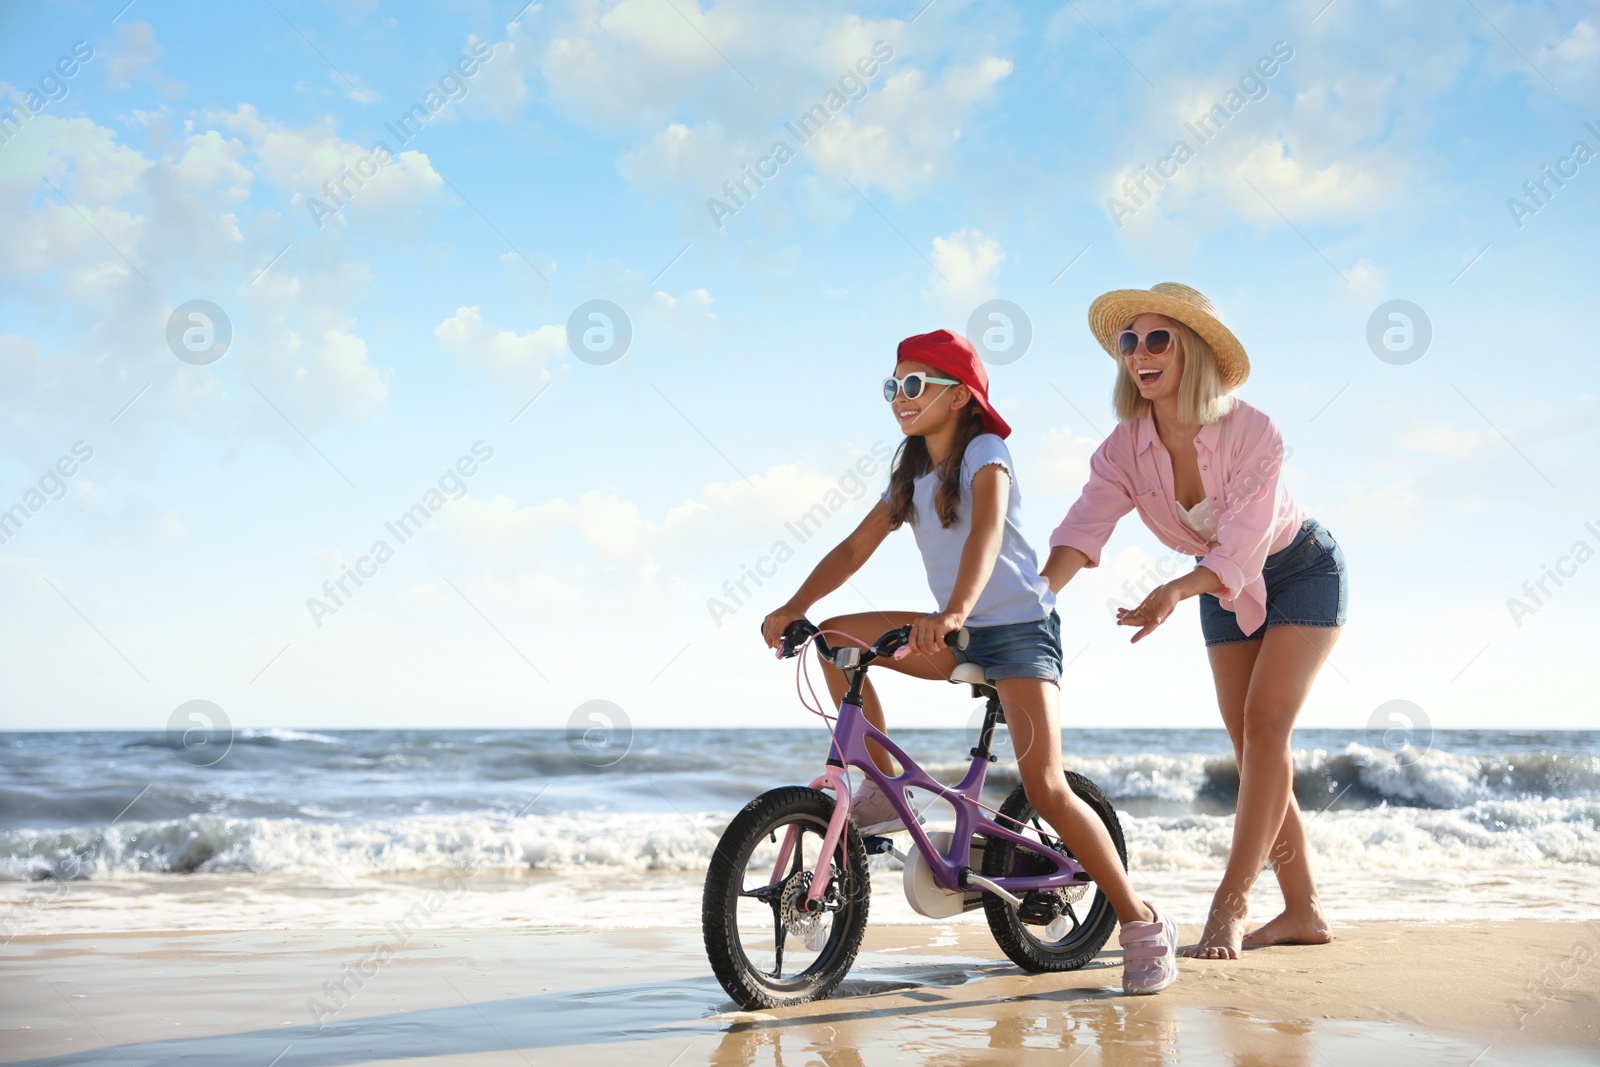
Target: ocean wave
x: 208, y: 843
x: 1359, y: 776
x: 1483, y: 835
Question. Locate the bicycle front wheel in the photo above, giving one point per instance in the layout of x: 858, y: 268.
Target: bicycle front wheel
x: 765, y: 947
x: 1089, y: 913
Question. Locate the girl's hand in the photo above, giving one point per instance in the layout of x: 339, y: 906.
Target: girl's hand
x: 927, y: 633
x: 1152, y: 613
x: 773, y: 625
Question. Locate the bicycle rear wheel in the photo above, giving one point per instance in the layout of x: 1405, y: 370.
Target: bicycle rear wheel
x: 765, y: 948
x: 1089, y: 912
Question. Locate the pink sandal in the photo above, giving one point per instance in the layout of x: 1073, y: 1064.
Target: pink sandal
x: 1149, y: 954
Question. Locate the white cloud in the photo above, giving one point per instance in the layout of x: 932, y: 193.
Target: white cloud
x: 647, y: 71
x: 500, y: 87
x: 901, y: 136
x: 302, y: 352
x: 602, y: 549
x: 1297, y: 188
x: 302, y: 162
x: 966, y: 263
x: 510, y: 358
x: 1065, y: 468
x: 133, y: 53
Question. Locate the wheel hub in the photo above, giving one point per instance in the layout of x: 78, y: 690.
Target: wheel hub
x: 811, y: 927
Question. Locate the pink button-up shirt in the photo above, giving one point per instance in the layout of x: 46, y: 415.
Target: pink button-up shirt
x: 1240, y: 457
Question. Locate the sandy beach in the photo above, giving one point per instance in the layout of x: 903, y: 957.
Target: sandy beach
x: 1516, y: 992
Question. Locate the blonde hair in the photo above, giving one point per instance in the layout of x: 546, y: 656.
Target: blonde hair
x: 1202, y: 396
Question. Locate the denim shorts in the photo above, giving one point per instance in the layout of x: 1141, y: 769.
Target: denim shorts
x: 1307, y: 585
x: 1016, y: 649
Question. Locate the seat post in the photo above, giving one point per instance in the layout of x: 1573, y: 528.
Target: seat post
x: 991, y: 716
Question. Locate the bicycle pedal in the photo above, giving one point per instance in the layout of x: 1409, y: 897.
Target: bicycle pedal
x: 878, y: 846
x: 1039, y: 909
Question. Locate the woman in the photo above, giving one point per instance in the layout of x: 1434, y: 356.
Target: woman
x: 1202, y: 468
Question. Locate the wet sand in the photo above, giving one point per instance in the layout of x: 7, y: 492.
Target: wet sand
x: 1520, y: 992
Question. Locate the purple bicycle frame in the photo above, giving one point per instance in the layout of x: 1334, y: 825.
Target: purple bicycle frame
x: 850, y: 748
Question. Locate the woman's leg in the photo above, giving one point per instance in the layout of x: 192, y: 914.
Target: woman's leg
x: 869, y: 626
x: 1286, y: 665
x: 1301, y: 921
x: 1030, y: 705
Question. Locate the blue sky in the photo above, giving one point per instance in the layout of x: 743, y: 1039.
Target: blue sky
x: 429, y: 313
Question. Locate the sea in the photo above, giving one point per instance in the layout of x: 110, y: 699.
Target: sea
x: 514, y: 829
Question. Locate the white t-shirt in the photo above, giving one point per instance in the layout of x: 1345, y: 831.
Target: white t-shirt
x: 1016, y: 592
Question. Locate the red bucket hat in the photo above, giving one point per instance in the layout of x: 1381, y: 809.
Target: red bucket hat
x: 953, y: 354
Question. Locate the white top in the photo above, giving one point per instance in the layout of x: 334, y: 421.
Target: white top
x: 1200, y: 518
x: 1016, y: 593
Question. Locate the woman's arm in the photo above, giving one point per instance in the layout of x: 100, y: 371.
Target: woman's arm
x: 832, y: 571
x: 1064, y: 563
x: 1105, y: 498
x: 991, y: 487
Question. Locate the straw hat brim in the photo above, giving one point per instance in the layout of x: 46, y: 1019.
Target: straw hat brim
x: 1112, y: 311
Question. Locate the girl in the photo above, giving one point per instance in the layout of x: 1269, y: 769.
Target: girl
x: 1202, y: 468
x: 952, y: 481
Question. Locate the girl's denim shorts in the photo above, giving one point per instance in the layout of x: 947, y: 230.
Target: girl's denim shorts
x: 1016, y: 650
x: 1307, y: 585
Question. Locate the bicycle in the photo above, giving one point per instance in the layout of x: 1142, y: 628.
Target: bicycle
x: 775, y: 890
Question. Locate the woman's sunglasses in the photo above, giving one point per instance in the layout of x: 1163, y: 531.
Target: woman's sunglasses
x: 912, y: 385
x: 1155, y: 342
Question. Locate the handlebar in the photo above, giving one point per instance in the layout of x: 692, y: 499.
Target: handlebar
x: 892, y: 643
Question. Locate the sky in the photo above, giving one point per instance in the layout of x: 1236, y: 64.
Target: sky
x: 600, y: 295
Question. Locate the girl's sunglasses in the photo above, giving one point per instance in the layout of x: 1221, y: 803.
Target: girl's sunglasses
x: 912, y: 385
x: 1155, y: 342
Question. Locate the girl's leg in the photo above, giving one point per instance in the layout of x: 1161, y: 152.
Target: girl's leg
x: 1301, y: 921
x: 1030, y: 705
x: 1285, y: 667
x: 868, y: 627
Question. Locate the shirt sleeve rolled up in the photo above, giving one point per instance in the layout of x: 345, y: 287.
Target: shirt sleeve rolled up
x: 1092, y: 517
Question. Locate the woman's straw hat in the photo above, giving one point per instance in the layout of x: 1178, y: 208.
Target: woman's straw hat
x: 1112, y: 311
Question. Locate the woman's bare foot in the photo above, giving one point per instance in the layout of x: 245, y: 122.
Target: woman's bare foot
x: 1305, y: 927
x: 1222, y: 936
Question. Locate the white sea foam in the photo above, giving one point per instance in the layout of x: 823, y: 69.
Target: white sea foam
x: 1484, y: 835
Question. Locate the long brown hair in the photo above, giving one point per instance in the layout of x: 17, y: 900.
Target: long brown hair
x: 911, y: 461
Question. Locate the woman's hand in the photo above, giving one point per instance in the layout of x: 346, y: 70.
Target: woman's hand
x: 1152, y: 612
x: 927, y: 633
x: 773, y: 625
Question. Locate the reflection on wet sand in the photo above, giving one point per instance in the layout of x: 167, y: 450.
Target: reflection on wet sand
x: 1380, y: 994
x: 1078, y: 1029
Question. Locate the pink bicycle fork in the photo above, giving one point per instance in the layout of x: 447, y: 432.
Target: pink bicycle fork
x: 831, y: 778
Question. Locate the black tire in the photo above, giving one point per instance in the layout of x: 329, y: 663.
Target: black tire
x: 1025, y: 944
x: 735, y: 884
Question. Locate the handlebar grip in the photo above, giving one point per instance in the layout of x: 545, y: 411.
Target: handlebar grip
x: 957, y: 639
x: 795, y: 636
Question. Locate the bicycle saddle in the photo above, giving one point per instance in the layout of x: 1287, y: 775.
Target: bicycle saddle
x: 969, y: 673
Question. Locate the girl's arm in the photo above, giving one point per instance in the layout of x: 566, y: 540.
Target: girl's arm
x: 831, y: 572
x: 991, y: 487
